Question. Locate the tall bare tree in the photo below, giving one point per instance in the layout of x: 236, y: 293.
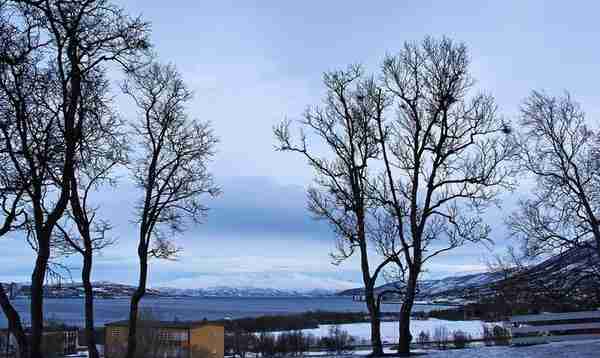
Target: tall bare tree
x: 31, y: 141
x: 559, y: 150
x: 169, y: 166
x: 45, y: 66
x: 102, y: 149
x: 11, y: 187
x: 345, y: 126
x: 445, y: 158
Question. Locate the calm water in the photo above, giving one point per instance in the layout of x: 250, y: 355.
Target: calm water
x: 70, y: 311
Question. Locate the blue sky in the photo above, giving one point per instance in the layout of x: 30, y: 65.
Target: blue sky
x: 251, y: 64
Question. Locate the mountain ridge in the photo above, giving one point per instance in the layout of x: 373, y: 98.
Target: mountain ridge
x: 107, y: 289
x: 570, y: 264
x: 556, y: 271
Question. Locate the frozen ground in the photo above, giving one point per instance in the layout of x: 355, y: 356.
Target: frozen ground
x: 389, y: 330
x: 578, y: 349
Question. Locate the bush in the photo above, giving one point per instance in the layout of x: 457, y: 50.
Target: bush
x: 495, y: 335
x: 265, y: 345
x: 293, y: 343
x: 501, y: 336
x: 423, y: 338
x: 239, y: 342
x: 488, y: 336
x: 461, y: 339
x: 338, y: 341
x: 440, y: 337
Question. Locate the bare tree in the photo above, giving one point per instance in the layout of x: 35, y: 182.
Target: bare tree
x: 102, y: 148
x: 45, y: 65
x: 170, y: 167
x: 339, y: 341
x: 346, y: 127
x: 30, y: 136
x: 511, y: 284
x: 11, y: 187
x: 560, y: 152
x: 444, y: 156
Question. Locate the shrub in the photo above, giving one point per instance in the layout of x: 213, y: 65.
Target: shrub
x: 238, y: 342
x: 501, y: 336
x: 265, y: 344
x: 423, y: 338
x: 293, y: 343
x: 440, y: 337
x: 488, y: 336
x: 495, y: 335
x: 460, y: 339
x: 338, y: 341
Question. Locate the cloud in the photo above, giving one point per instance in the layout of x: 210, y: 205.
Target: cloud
x: 258, y: 233
x: 258, y: 206
x: 249, y: 206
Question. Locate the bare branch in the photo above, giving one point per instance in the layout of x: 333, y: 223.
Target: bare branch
x: 170, y: 168
x: 446, y: 156
x: 345, y: 127
x: 560, y: 151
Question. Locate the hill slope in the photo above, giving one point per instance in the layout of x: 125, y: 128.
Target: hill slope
x: 558, y: 271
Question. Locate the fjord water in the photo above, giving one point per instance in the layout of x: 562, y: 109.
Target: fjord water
x: 70, y: 310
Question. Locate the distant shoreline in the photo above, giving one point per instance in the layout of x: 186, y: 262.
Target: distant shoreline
x: 70, y: 310
x: 154, y: 297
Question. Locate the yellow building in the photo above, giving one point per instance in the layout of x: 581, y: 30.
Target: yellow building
x: 162, y: 339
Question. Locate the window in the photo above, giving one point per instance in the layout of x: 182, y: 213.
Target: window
x: 163, y: 335
x: 180, y: 336
x: 172, y: 336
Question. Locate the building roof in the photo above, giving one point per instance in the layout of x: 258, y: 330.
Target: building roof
x: 51, y: 329
x: 164, y: 324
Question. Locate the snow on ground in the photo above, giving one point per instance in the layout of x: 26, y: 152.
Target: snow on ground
x: 577, y: 349
x: 389, y: 330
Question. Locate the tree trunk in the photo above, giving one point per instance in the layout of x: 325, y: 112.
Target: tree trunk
x: 37, y: 297
x: 83, y: 225
x: 14, y: 323
x: 135, y: 302
x: 377, y: 346
x: 90, y: 334
x: 405, y: 337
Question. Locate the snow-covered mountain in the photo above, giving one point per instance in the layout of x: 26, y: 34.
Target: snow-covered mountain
x: 73, y: 290
x: 558, y: 271
x: 244, y: 292
x: 115, y: 290
x: 449, y: 286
